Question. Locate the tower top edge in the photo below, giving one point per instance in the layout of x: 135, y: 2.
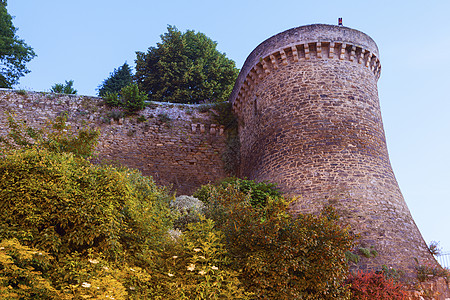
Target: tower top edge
x: 304, y: 34
x: 315, y: 32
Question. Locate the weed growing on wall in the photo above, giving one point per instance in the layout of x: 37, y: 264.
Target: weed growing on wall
x: 57, y: 136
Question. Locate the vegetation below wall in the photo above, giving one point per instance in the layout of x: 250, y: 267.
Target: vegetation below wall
x: 73, y: 230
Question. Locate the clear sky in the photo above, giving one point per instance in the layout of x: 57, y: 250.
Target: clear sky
x: 85, y: 40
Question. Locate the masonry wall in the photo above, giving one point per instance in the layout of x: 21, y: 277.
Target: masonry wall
x: 310, y: 121
x: 176, y: 145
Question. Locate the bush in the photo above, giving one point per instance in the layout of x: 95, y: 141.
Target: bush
x: 64, y: 204
x: 187, y: 209
x: 132, y: 99
x: 371, y: 285
x: 112, y: 99
x: 259, y: 192
x: 282, y: 257
x: 66, y: 88
x: 56, y: 137
x: 197, y: 266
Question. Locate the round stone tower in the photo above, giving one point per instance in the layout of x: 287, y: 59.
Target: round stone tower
x: 310, y: 121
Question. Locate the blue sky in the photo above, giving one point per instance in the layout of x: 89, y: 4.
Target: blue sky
x: 85, y: 40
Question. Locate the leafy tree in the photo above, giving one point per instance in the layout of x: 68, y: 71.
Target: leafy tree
x: 117, y: 80
x: 185, y: 68
x: 14, y: 53
x: 64, y: 88
x: 129, y: 97
x: 132, y: 99
x: 281, y: 256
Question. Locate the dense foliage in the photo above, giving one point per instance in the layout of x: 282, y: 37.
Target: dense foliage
x: 73, y: 230
x: 371, y: 285
x: 259, y: 192
x: 14, y: 52
x: 129, y: 97
x: 116, y: 81
x: 280, y: 256
x: 185, y: 68
x: 57, y: 136
x: 64, y: 88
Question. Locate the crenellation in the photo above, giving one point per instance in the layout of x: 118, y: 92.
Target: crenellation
x: 319, y: 49
x: 265, y: 66
x: 294, y: 53
x: 283, y: 57
x: 313, y: 126
x: 343, y: 49
x: 306, y: 49
x: 274, y: 62
x: 332, y: 47
x: 353, y: 53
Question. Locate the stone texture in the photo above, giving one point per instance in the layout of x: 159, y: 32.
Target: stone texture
x: 312, y: 124
x: 177, y: 153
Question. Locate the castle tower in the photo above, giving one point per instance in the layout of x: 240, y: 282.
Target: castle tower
x: 310, y: 121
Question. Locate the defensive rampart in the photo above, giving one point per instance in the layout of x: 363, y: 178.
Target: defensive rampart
x: 310, y: 121
x: 175, y: 144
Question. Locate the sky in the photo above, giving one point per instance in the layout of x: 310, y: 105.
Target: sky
x: 85, y: 40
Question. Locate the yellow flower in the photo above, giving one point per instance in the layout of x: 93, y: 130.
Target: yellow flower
x: 174, y: 256
x: 214, y: 268
x: 191, y: 267
x: 170, y: 274
x: 197, y: 249
x: 86, y: 285
x: 93, y: 261
x: 202, y: 272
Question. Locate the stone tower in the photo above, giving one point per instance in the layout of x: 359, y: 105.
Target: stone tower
x: 310, y: 121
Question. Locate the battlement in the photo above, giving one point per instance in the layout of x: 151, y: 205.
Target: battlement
x: 302, y: 44
x: 310, y: 121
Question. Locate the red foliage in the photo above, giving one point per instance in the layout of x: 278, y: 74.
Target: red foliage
x: 371, y: 285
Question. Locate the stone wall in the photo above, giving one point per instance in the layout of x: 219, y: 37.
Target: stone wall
x: 177, y: 144
x: 310, y: 121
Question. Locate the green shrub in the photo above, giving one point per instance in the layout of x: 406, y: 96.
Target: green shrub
x: 281, y: 256
x: 197, y: 266
x: 132, y: 99
x: 112, y: 99
x: 56, y: 137
x: 63, y: 204
x: 64, y: 88
x: 259, y: 192
x: 21, y: 272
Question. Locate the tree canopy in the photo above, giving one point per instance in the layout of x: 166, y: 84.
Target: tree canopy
x: 14, y: 52
x: 116, y: 81
x: 185, y: 68
x: 64, y: 88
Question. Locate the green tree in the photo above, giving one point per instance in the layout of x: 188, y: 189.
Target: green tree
x: 64, y: 88
x: 185, y: 68
x: 132, y: 99
x: 117, y: 80
x: 14, y: 53
x: 281, y: 256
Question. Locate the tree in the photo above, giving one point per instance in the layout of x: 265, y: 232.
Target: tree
x: 66, y: 88
x: 14, y: 53
x: 185, y: 68
x: 117, y: 80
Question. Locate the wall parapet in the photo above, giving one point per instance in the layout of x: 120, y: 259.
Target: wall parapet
x: 178, y: 145
x: 297, y: 45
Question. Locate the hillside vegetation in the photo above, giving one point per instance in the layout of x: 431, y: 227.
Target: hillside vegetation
x: 70, y: 229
